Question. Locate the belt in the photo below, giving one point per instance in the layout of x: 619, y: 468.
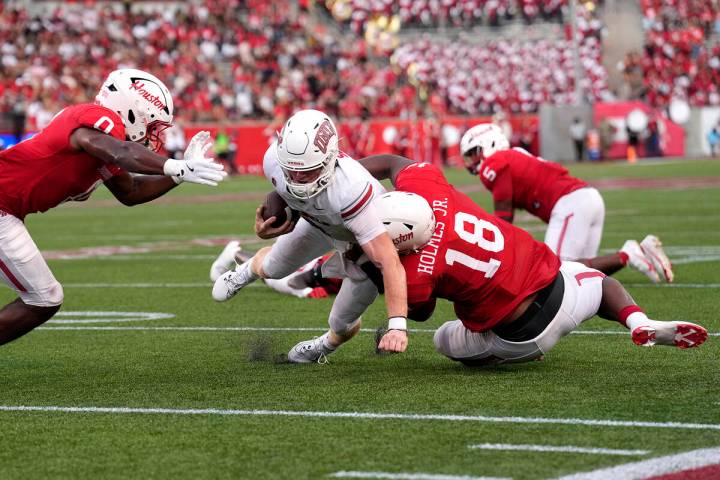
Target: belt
x: 538, y: 315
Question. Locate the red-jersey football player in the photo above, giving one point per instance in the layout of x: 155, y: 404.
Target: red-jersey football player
x: 513, y: 296
x: 574, y: 211
x: 83, y: 146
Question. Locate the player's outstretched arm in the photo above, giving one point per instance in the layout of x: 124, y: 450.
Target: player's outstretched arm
x: 385, y: 166
x: 134, y: 157
x: 504, y: 209
x: 136, y: 189
x: 381, y: 251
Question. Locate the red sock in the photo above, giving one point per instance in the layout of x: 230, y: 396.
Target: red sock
x: 626, y: 312
x: 624, y: 258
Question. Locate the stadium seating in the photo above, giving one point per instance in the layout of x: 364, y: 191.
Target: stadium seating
x: 680, y: 60
x: 451, y: 13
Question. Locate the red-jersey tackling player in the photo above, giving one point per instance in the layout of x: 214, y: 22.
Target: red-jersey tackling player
x: 573, y: 210
x: 513, y: 296
x: 83, y: 146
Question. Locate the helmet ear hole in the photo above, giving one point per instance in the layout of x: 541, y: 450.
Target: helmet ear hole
x: 131, y: 116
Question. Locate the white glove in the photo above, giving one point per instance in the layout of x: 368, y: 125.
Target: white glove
x: 195, y: 167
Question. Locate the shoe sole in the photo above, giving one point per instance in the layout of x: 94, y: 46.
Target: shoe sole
x: 684, y: 335
x: 223, y: 261
x: 637, y: 257
x: 659, y: 260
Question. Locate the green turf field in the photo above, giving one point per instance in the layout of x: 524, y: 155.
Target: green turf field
x: 195, y: 393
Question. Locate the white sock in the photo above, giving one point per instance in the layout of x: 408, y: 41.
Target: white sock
x: 245, y: 269
x: 637, y: 319
x: 327, y: 346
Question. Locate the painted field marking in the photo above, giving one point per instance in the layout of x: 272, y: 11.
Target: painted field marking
x: 556, y: 448
x: 146, y: 256
x: 107, y: 317
x: 656, y: 467
x: 409, y: 476
x: 292, y: 329
x: 673, y: 285
x: 208, y: 285
x: 366, y: 416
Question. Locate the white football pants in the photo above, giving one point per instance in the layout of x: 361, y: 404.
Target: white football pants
x: 581, y: 301
x: 576, y: 225
x: 23, y: 268
x: 306, y: 242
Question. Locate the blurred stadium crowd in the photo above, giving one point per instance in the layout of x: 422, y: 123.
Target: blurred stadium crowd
x: 262, y: 59
x: 681, y: 58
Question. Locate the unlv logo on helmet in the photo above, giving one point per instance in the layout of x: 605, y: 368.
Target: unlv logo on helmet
x: 323, y: 136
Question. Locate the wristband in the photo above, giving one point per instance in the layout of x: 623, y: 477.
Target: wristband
x: 173, y: 168
x: 397, y: 323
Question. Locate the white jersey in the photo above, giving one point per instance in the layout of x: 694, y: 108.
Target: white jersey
x: 344, y: 210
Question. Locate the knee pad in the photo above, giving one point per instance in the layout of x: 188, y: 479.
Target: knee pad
x: 342, y: 328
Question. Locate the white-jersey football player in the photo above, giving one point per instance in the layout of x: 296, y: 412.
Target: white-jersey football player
x: 334, y: 194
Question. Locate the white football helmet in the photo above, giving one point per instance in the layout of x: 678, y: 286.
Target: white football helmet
x: 408, y: 219
x: 479, y: 143
x: 143, y: 102
x: 308, y: 141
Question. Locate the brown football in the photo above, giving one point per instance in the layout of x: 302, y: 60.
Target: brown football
x: 275, y: 206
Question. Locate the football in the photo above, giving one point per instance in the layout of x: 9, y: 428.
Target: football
x: 275, y: 206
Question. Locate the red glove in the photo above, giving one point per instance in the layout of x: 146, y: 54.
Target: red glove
x: 318, y: 292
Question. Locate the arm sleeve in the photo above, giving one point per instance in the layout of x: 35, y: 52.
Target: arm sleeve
x: 359, y: 214
x: 366, y: 224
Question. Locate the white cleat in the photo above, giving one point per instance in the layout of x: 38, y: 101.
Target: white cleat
x: 230, y: 283
x: 225, y: 260
x: 679, y: 334
x: 309, y: 351
x: 652, y: 247
x: 638, y: 260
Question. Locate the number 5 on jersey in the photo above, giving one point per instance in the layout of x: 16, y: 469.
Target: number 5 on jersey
x: 476, y: 237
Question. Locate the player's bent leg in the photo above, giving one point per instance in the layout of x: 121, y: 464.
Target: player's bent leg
x: 36, y: 306
x: 231, y: 282
x: 618, y: 305
x: 317, y: 349
x: 573, y: 231
x: 345, y: 319
x: 558, y: 309
x: 24, y: 270
x: 18, y: 318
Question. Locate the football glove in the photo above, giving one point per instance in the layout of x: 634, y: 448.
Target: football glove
x: 195, y: 166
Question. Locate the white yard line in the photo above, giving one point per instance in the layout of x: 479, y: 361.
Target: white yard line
x: 557, y: 448
x: 409, y: 476
x: 286, y: 329
x: 365, y: 416
x: 208, y: 285
x: 653, y: 467
x: 673, y: 285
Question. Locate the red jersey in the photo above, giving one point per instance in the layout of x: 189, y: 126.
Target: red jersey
x: 529, y: 182
x: 45, y: 170
x: 484, y: 265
